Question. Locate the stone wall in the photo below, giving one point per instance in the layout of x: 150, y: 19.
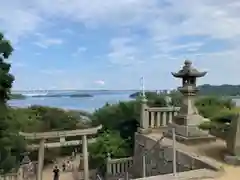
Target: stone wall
x: 159, y: 158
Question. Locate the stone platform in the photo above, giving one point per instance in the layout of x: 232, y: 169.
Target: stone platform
x: 189, y: 134
x: 232, y: 160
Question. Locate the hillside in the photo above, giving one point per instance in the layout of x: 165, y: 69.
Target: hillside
x: 221, y: 90
x: 205, y: 90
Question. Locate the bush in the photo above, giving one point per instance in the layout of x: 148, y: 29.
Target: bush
x: 210, y: 106
x: 107, y: 142
x: 219, y: 124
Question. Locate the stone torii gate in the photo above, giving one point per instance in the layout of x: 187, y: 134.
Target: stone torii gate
x: 42, y: 136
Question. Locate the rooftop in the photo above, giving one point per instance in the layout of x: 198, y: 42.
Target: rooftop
x: 188, y: 70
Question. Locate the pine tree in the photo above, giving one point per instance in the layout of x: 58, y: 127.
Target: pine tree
x: 7, y: 161
x: 6, y: 79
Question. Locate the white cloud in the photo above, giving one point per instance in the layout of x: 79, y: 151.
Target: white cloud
x: 51, y: 71
x: 218, y: 19
x: 19, y: 64
x: 38, y: 54
x: 200, y: 17
x: 45, y: 43
x: 79, y: 51
x: 123, y: 52
x: 162, y: 27
x: 30, y: 16
x: 100, y: 82
x: 67, y: 31
x: 16, y: 21
x: 167, y: 46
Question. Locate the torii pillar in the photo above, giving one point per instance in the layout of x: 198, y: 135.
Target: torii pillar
x: 85, y: 157
x: 233, y: 142
x: 40, y: 159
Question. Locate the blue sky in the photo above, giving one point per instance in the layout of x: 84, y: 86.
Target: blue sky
x: 83, y: 44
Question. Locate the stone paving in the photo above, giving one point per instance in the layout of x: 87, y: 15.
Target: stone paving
x: 48, y: 175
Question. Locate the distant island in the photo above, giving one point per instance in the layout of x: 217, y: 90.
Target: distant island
x: 207, y: 90
x: 81, y: 95
x: 219, y: 90
x: 64, y: 95
x: 17, y: 96
x: 20, y: 96
x: 148, y: 94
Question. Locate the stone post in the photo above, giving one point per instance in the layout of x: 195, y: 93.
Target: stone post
x: 233, y: 142
x: 144, y: 165
x: 108, y: 164
x: 40, y: 159
x: 144, y: 117
x: 85, y: 157
x: 174, y: 152
x: 20, y: 173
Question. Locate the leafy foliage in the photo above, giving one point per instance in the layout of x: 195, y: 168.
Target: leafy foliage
x: 7, y: 138
x: 111, y: 116
x: 211, y: 105
x: 32, y: 119
x: 17, y: 96
x: 154, y: 99
x: 107, y: 142
x: 6, y: 79
x: 222, y: 90
x: 220, y: 111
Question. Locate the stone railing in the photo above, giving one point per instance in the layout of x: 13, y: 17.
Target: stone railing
x: 10, y: 176
x: 160, y: 116
x: 79, y: 175
x: 118, y: 167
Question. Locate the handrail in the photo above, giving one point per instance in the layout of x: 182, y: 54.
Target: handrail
x: 157, y: 143
x: 146, y: 151
x: 163, y: 109
x: 99, y: 177
x: 112, y: 161
x: 158, y: 117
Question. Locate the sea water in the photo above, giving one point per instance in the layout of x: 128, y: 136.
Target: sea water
x: 98, y: 99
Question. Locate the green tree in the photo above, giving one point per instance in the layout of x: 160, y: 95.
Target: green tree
x: 6, y: 79
x: 54, y: 118
x: 220, y: 112
x: 107, y: 142
x: 111, y: 116
x: 154, y: 99
x: 210, y: 106
x: 9, y: 152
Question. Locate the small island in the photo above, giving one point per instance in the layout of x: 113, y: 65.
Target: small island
x: 65, y: 95
x: 148, y: 94
x: 80, y: 95
x: 17, y: 96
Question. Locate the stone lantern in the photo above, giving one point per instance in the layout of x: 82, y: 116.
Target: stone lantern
x: 25, y: 165
x: 186, y: 123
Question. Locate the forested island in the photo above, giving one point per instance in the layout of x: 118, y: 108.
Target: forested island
x: 219, y: 90
x: 17, y: 96
x: 65, y: 95
x: 80, y: 95
x: 119, y: 121
x: 205, y: 90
